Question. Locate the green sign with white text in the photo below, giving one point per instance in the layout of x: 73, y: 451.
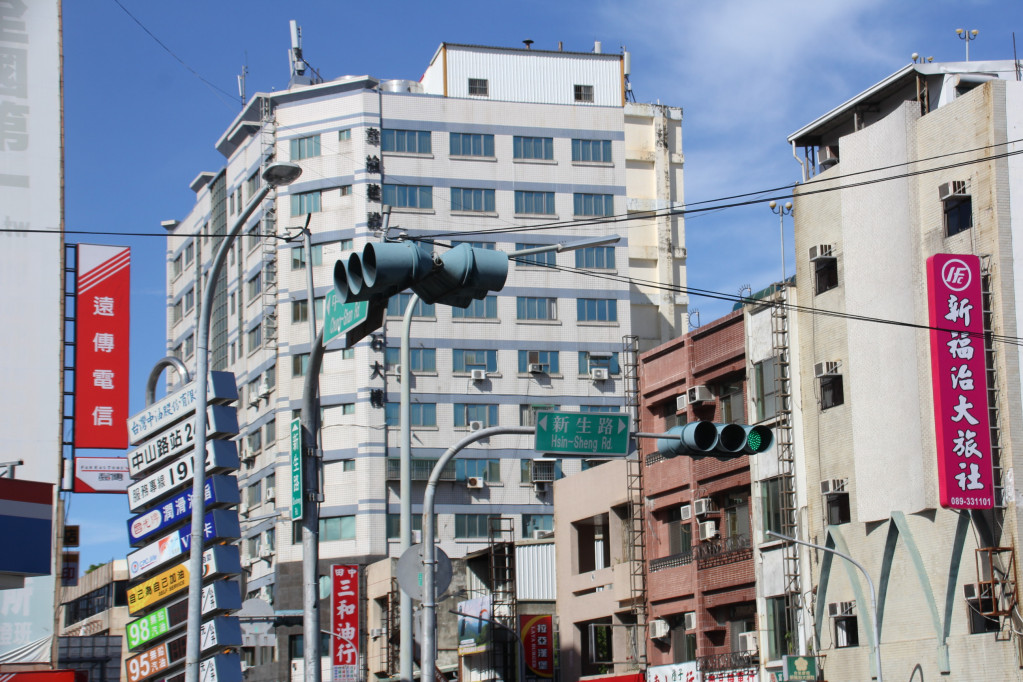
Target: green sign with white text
x: 583, y: 433
x: 296, y: 469
x: 148, y: 628
x: 339, y: 317
x: 800, y: 668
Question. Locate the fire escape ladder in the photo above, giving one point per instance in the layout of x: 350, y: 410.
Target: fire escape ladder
x: 630, y: 376
x: 67, y: 430
x: 268, y: 228
x: 504, y: 648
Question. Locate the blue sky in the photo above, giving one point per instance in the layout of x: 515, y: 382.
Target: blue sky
x: 140, y: 125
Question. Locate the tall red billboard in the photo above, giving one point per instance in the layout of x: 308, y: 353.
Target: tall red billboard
x: 101, y: 346
x: 959, y: 379
x: 536, y: 632
x: 344, y: 609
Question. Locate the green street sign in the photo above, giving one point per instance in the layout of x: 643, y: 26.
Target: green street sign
x: 296, y: 469
x: 339, y: 317
x: 800, y: 667
x: 583, y: 433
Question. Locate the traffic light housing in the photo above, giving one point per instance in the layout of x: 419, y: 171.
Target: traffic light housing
x: 455, y: 278
x: 724, y: 441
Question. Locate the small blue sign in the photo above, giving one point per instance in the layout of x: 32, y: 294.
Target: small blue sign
x: 221, y: 491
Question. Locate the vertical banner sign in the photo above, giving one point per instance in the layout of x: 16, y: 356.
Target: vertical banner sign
x: 958, y: 374
x: 101, y: 346
x: 537, y: 635
x: 344, y: 630
x: 296, y: 470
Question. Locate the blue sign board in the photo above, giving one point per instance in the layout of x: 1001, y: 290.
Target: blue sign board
x: 217, y: 524
x: 221, y: 490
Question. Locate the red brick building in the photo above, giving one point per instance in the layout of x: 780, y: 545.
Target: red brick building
x: 700, y: 573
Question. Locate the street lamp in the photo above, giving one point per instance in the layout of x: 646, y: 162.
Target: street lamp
x: 870, y: 584
x: 781, y: 212
x: 275, y: 175
x: 967, y: 35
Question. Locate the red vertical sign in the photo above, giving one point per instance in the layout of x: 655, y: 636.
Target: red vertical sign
x: 537, y: 635
x: 101, y: 346
x: 344, y: 610
x: 959, y: 378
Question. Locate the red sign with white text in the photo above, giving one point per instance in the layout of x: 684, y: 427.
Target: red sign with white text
x: 101, y: 346
x: 537, y: 635
x: 344, y: 609
x: 958, y: 373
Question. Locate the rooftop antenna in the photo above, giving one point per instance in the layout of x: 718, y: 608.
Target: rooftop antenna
x: 297, y: 63
x: 241, y: 79
x: 627, y: 70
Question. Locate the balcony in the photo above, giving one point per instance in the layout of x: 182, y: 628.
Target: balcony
x: 734, y: 660
x: 720, y: 551
x: 673, y: 561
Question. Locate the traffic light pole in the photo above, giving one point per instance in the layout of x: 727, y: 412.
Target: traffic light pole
x: 310, y: 418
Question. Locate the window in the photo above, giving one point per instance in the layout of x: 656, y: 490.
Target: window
x: 487, y: 469
x: 832, y: 393
x: 189, y: 253
x: 254, y: 493
x: 469, y: 526
x: 583, y: 93
x: 546, y: 359
x: 255, y: 285
x: 408, y: 196
x: 532, y: 523
x: 767, y: 399
x: 254, y: 441
x: 300, y: 310
x: 230, y: 203
x: 534, y: 203
x: 847, y: 632
x: 422, y: 414
x: 597, y: 310
x: 825, y: 273
x: 176, y: 266
x: 597, y: 257
x: 270, y: 433
x: 544, y: 258
x: 680, y: 533
x: 337, y: 528
x: 489, y: 246
x: 777, y: 629
x: 957, y: 208
x: 478, y: 310
x: 600, y: 409
x: 252, y: 185
x: 466, y: 360
x: 472, y: 144
x: 593, y: 204
x: 771, y: 491
x: 479, y: 87
x: 406, y: 141
x: 420, y: 359
x: 466, y: 413
x: 733, y: 403
x: 254, y: 338
x: 527, y: 413
x: 478, y: 200
x: 533, y: 148
x: 305, y: 202
x: 346, y: 190
x: 836, y: 507
x: 190, y: 345
x: 591, y: 150
x: 540, y: 470
x: 233, y: 304
x: 589, y: 360
x: 176, y: 313
x: 735, y: 516
x: 396, y: 307
x: 394, y: 525
x: 536, y: 308
x: 979, y: 623
x: 298, y: 259
x: 683, y: 644
x: 305, y: 147
x: 347, y: 353
x: 345, y: 134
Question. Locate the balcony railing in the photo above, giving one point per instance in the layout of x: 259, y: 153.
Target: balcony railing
x: 673, y: 561
x: 731, y: 661
x: 720, y: 551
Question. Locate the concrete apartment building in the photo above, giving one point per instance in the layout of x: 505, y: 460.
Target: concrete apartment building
x: 489, y: 142
x: 940, y: 141
x: 700, y: 591
x: 91, y: 619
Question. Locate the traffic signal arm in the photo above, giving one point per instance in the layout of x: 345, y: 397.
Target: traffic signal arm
x: 724, y: 441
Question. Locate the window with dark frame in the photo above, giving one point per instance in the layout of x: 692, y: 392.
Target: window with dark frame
x: 479, y: 87
x: 958, y: 214
x: 832, y: 393
x: 583, y: 93
x: 825, y: 274
x: 837, y: 508
x: 847, y: 632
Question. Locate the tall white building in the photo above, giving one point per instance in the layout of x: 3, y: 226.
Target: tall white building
x: 498, y: 147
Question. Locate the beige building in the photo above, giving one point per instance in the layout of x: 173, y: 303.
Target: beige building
x: 91, y: 621
x: 920, y: 163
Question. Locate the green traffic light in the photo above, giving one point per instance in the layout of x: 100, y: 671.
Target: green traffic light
x: 754, y: 441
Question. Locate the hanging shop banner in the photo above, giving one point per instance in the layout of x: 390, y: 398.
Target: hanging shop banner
x: 221, y: 422
x: 102, y: 316
x: 674, y: 672
x: 737, y: 675
x: 223, y: 595
x: 101, y: 475
x: 221, y: 390
x: 344, y: 642
x: 218, y: 524
x: 221, y: 455
x: 959, y: 378
x: 221, y: 491
x: 538, y: 647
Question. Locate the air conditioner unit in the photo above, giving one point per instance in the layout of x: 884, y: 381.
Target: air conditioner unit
x: 685, y: 512
x: 264, y: 389
x: 952, y: 190
x: 708, y: 530
x: 658, y: 628
x: 699, y: 394
x: 833, y: 486
x: 703, y: 506
x: 377, y: 632
x: 478, y: 374
x: 599, y: 373
x: 689, y: 620
x: 475, y: 425
x: 841, y: 608
x: 826, y: 156
x: 475, y: 482
x: 541, y: 534
x: 820, y: 252
x: 748, y: 641
x: 265, y: 553
x: 271, y: 494
x: 681, y: 402
x: 417, y: 537
x: 536, y: 368
x: 541, y: 486
x: 825, y: 369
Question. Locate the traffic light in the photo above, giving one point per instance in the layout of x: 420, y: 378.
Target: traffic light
x: 725, y: 441
x: 455, y: 278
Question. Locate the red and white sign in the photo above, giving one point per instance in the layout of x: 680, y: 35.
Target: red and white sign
x: 101, y: 475
x: 958, y: 374
x: 538, y: 646
x: 101, y: 346
x: 344, y: 610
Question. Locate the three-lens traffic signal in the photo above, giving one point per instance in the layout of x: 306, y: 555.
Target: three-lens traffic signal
x: 724, y: 441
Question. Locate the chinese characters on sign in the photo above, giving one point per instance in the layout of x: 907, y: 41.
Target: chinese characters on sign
x: 344, y: 618
x: 101, y: 346
x: 674, y: 672
x: 538, y: 647
x: 958, y: 375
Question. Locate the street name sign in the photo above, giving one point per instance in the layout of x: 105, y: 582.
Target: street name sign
x: 296, y: 469
x: 339, y: 317
x: 221, y: 455
x: 221, y: 422
x: 583, y: 433
x: 178, y: 405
